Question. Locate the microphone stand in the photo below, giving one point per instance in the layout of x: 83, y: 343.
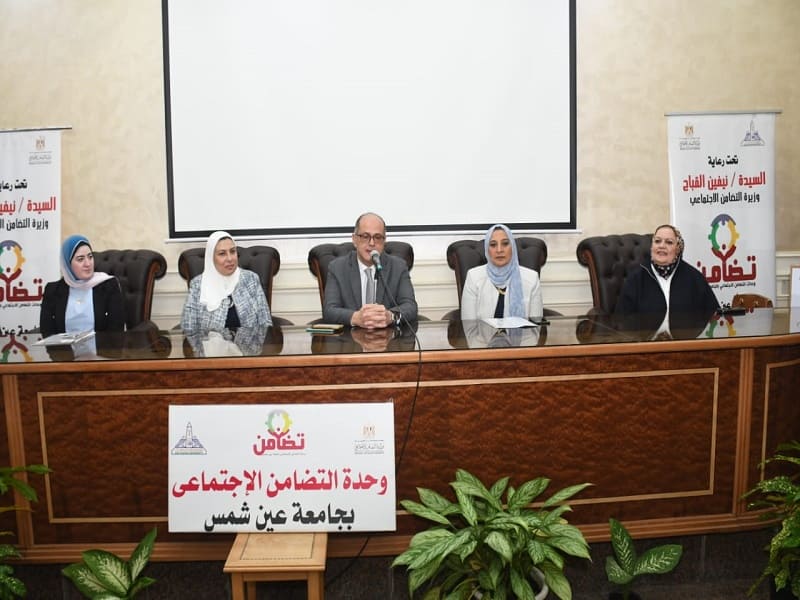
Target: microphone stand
x: 379, y: 277
x: 403, y: 319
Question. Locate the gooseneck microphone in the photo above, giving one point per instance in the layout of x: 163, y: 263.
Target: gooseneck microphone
x: 375, y: 256
x: 376, y: 260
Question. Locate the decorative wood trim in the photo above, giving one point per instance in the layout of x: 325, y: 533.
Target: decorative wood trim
x: 16, y: 453
x: 746, y: 367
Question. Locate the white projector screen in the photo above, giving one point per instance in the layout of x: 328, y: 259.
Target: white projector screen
x: 292, y: 117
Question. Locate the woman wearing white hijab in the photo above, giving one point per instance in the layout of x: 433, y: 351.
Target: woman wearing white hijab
x: 83, y: 299
x: 501, y: 287
x: 224, y: 296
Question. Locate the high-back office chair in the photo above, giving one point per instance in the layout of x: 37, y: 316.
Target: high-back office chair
x: 609, y: 258
x: 264, y: 261
x: 463, y: 255
x: 750, y: 301
x: 321, y: 255
x: 137, y: 271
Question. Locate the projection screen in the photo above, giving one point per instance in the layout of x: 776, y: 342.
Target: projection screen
x: 292, y: 117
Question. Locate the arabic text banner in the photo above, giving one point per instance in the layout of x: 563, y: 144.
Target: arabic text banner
x: 30, y: 221
x: 282, y: 468
x: 722, y: 190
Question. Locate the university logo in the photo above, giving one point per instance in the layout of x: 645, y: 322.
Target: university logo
x: 751, y: 137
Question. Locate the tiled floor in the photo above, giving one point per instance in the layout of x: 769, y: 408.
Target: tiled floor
x: 713, y: 567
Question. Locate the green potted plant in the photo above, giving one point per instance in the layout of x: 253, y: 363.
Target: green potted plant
x: 10, y: 586
x: 480, y: 547
x: 102, y: 575
x: 780, y: 495
x: 626, y: 565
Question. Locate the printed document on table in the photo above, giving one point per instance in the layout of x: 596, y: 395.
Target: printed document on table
x: 65, y: 339
x: 509, y: 323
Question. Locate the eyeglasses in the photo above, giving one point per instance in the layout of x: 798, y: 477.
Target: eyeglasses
x: 376, y: 237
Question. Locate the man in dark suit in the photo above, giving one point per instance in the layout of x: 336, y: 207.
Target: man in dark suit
x: 355, y: 296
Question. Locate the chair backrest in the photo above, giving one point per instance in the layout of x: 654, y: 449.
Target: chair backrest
x: 751, y: 301
x: 609, y: 258
x: 137, y: 271
x: 265, y: 261
x: 320, y: 256
x: 463, y: 255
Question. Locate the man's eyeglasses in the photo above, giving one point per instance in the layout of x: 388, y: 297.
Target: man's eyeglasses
x: 376, y: 237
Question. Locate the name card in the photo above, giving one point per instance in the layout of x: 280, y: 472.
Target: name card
x: 282, y: 468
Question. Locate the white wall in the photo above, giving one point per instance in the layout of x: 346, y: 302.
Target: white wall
x: 97, y: 65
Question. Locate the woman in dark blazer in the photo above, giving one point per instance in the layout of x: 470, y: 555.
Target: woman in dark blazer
x: 665, y: 293
x: 82, y: 299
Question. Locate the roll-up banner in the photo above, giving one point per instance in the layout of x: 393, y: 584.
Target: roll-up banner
x: 722, y: 192
x: 30, y: 221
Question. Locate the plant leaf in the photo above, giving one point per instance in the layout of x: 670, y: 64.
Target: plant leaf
x: 469, y: 484
x: 500, y: 544
x: 420, y: 510
x: 552, y: 555
x: 536, y: 552
x: 566, y: 493
x: 141, y: 555
x: 417, y: 577
x: 8, y: 551
x: 461, y: 592
x: 12, y: 585
x: 83, y: 578
x: 440, y: 549
x: 615, y: 573
x: 499, y: 486
x: 521, y: 586
x: 110, y: 570
x: 23, y: 488
x: 139, y: 585
x: 464, y: 552
x: 622, y: 544
x: 434, y: 593
x: 574, y: 546
x: 38, y: 469
x: 467, y: 488
x: 434, y: 500
x: 429, y: 536
x: 527, y: 492
x: 467, y: 506
x: 556, y: 580
x: 659, y: 560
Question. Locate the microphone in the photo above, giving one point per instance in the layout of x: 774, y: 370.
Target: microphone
x: 375, y: 256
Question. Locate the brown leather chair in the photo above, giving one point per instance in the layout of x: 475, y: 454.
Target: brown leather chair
x: 609, y: 258
x: 137, y: 271
x: 463, y: 255
x: 750, y: 301
x: 321, y: 255
x: 264, y: 261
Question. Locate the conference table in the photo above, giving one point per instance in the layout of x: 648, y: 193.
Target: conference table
x: 670, y: 432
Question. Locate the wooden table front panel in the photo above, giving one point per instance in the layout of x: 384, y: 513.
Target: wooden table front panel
x: 655, y: 433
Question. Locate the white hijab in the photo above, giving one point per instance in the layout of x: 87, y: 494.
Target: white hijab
x: 214, y: 286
